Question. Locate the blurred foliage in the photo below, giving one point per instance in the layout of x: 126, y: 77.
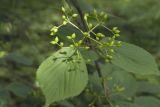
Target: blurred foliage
x: 140, y: 20
x: 24, y: 44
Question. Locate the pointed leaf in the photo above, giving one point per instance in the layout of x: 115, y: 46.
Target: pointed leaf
x: 144, y: 101
x: 62, y: 75
x: 135, y: 59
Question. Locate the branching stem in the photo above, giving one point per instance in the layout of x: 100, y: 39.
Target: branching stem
x: 86, y: 29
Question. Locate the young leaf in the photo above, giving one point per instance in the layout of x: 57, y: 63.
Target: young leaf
x: 62, y: 75
x: 135, y: 59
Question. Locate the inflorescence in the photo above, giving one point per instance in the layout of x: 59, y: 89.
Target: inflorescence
x: 104, y: 45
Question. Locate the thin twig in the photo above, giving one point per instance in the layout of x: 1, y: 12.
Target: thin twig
x: 75, y: 4
x: 104, y: 84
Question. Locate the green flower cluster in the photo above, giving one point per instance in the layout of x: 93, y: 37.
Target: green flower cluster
x: 103, y: 48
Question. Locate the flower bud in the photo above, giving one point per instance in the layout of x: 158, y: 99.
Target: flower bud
x: 119, y: 88
x: 88, y: 60
x: 95, y: 12
x: 54, y: 29
x: 61, y: 44
x: 119, y: 43
x: 117, y: 31
x: 111, y: 43
x: 69, y: 37
x: 53, y: 42
x: 56, y: 39
x: 115, y: 28
x: 102, y: 13
x: 63, y: 9
x: 117, y: 35
x: 64, y: 22
x: 64, y: 17
x: 73, y: 36
x: 86, y: 34
x: 109, y: 56
x: 80, y: 42
x: 90, y: 26
x: 106, y: 60
x: 74, y: 15
x: 111, y: 50
x: 86, y: 16
x: 97, y: 38
x: 76, y: 44
x: 71, y: 46
x: 52, y: 33
x: 87, y: 47
x: 100, y: 35
x: 105, y: 16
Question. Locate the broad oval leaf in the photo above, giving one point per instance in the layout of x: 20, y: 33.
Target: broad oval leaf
x: 62, y: 75
x: 142, y: 101
x: 146, y: 101
x: 135, y: 59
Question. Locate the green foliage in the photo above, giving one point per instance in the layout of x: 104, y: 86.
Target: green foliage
x: 146, y: 102
x: 135, y: 59
x: 24, y: 44
x: 141, y: 102
x: 62, y: 75
x: 19, y: 89
x: 128, y: 57
x: 4, y: 98
x: 125, y: 87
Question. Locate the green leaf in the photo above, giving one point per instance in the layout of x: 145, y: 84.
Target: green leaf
x: 125, y: 81
x: 144, y: 101
x: 62, y: 75
x: 146, y: 87
x: 89, y: 54
x: 95, y: 83
x: 18, y: 58
x: 5, y: 97
x: 120, y: 78
x: 19, y: 89
x: 135, y: 59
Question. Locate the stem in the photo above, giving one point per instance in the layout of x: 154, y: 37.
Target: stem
x: 75, y: 4
x: 94, y: 27
x: 93, y: 33
x: 58, y: 45
x: 95, y: 40
x: 108, y: 29
x: 104, y: 84
x: 75, y: 26
x: 78, y: 54
x: 98, y: 69
x: 85, y: 27
x: 73, y: 41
